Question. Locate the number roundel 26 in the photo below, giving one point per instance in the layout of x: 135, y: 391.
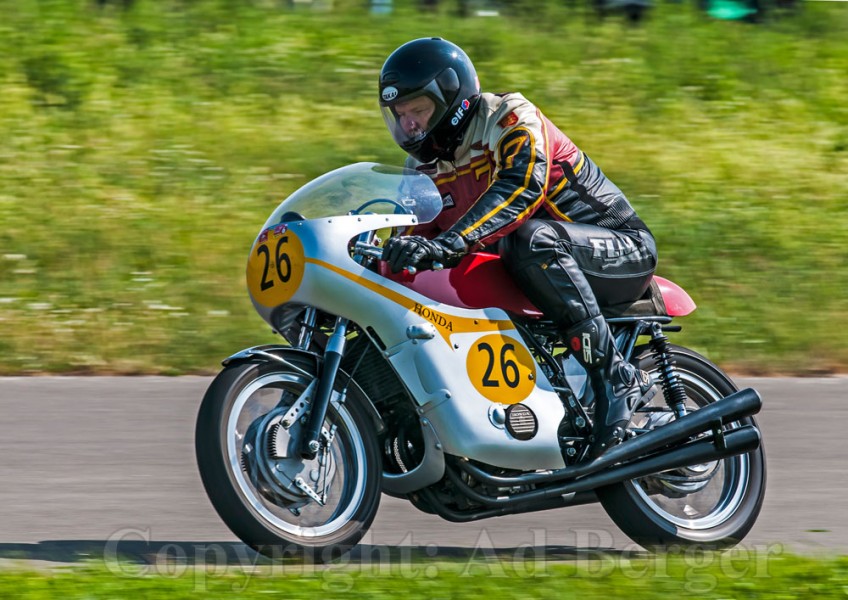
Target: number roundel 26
x: 501, y: 369
x: 275, y: 266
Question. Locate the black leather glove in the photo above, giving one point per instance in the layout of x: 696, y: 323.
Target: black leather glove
x: 405, y: 251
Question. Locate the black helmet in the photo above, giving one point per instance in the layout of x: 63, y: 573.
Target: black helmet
x: 441, y: 71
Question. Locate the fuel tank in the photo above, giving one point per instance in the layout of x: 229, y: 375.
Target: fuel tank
x: 478, y: 281
x: 481, y: 281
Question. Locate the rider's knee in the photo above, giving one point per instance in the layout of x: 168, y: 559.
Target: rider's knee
x: 534, y: 238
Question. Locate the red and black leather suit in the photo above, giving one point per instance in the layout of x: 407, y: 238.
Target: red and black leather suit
x: 566, y: 233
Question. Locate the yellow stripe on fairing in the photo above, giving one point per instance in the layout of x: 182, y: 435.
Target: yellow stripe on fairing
x: 450, y: 323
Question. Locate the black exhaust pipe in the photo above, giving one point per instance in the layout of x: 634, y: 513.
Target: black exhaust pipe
x: 733, y: 442
x: 738, y: 405
x: 736, y: 441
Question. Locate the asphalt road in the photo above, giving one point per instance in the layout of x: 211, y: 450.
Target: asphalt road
x: 95, y: 466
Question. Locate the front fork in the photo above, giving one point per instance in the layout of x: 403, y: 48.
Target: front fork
x: 310, y: 443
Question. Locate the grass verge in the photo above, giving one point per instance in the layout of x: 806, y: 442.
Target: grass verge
x: 705, y: 575
x: 142, y: 149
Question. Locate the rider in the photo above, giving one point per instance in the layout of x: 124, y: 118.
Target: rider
x: 513, y: 183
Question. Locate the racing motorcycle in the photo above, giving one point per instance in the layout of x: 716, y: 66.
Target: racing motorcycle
x: 450, y: 389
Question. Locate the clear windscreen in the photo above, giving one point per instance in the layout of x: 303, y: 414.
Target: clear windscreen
x: 362, y: 188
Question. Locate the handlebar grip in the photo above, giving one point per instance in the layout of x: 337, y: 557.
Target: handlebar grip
x: 364, y: 249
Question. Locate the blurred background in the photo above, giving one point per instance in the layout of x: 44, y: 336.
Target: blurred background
x: 143, y: 143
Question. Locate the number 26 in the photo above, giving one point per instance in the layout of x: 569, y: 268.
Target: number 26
x: 281, y: 259
x: 508, y: 368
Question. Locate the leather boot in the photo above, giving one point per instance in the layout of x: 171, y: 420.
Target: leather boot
x: 618, y: 386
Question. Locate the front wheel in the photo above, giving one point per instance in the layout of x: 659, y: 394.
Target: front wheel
x: 275, y: 501
x: 712, y: 505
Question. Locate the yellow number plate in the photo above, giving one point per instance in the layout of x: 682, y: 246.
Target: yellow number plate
x: 501, y: 369
x: 275, y: 266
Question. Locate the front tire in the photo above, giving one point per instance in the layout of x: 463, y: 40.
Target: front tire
x: 712, y: 505
x: 274, y: 501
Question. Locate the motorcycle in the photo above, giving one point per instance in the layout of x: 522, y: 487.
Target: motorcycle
x: 447, y: 387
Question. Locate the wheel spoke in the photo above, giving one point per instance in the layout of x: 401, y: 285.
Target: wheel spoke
x: 699, y: 496
x: 279, y: 484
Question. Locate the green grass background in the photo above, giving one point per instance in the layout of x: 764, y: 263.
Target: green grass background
x: 695, y: 576
x: 142, y: 149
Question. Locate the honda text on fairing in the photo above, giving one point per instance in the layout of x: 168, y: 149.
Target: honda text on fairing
x: 448, y: 388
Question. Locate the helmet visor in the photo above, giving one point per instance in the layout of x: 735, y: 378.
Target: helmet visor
x: 412, y: 117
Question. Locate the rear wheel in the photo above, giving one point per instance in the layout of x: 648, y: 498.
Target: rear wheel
x: 271, y: 498
x: 710, y: 505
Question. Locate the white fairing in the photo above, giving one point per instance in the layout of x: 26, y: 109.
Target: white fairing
x: 435, y: 370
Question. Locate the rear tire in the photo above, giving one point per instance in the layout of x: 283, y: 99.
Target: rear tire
x: 713, y: 505
x: 255, y: 492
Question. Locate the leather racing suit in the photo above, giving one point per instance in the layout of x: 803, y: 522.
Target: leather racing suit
x: 567, y: 234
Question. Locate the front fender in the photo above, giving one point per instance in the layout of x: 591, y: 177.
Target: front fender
x: 277, y: 353
x: 265, y: 353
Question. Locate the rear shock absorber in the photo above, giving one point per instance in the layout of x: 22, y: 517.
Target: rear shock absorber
x: 675, y: 394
